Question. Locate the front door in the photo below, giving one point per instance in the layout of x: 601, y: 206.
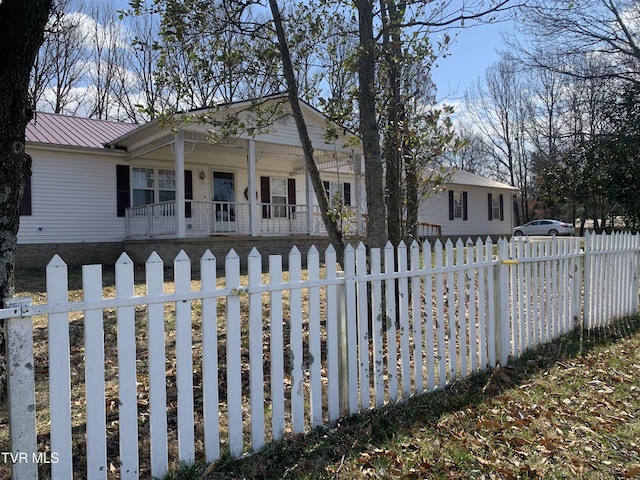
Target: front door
x: 224, y: 201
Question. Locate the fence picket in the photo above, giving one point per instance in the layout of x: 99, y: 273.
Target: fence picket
x: 389, y: 325
x: 295, y: 342
x: 363, y: 327
x: 403, y: 314
x: 59, y: 370
x: 256, y: 373
x: 154, y: 269
x: 377, y: 329
x: 416, y: 317
x: 210, y: 390
x: 462, y: 309
x: 440, y: 318
x: 352, y: 328
x: 276, y: 349
x: 451, y: 311
x: 184, y: 359
x: 127, y: 391
x: 315, y: 350
x: 429, y: 334
x: 471, y: 279
x: 94, y: 375
x: 233, y: 348
x: 333, y: 372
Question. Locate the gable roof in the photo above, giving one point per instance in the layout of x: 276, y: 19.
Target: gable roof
x: 56, y: 129
x: 462, y: 177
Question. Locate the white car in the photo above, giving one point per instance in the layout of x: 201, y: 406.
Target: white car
x: 545, y: 227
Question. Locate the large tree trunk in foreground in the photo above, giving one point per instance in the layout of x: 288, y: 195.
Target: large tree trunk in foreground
x: 374, y: 172
x: 323, y: 202
x: 22, y: 26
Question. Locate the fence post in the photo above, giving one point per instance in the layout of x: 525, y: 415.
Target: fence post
x: 343, y: 357
x: 501, y: 304
x: 21, y: 391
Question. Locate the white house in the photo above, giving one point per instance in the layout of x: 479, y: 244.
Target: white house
x: 99, y: 188
x: 472, y: 206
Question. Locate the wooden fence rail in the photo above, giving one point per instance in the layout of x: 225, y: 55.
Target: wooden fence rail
x: 189, y: 370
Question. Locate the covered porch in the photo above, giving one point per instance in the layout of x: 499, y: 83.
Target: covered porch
x: 184, y: 182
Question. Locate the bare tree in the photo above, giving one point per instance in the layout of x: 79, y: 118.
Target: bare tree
x: 58, y: 74
x: 566, y: 32
x: 500, y: 107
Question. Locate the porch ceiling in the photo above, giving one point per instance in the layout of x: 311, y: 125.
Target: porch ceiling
x: 163, y: 148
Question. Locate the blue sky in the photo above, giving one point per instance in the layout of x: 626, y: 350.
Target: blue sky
x: 475, y: 49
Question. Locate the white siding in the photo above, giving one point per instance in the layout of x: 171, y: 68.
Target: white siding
x: 436, y: 210
x: 73, y: 199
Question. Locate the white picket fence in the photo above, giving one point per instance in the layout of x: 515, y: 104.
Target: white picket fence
x: 230, y: 365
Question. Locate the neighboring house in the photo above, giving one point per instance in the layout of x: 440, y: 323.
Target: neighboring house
x: 472, y: 206
x: 99, y: 188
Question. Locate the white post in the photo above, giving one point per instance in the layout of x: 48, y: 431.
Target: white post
x: 501, y: 303
x: 251, y: 189
x: 21, y: 389
x: 180, y: 196
x: 310, y: 201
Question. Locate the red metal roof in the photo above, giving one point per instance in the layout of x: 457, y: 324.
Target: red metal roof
x: 58, y: 129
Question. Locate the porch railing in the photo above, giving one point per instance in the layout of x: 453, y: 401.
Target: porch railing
x: 206, y: 218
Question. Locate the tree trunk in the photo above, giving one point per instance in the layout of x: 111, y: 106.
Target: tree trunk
x: 395, y: 119
x: 376, y: 231
x: 21, y: 34
x: 323, y: 202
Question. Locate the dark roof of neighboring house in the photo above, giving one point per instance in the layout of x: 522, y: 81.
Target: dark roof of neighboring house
x: 56, y: 129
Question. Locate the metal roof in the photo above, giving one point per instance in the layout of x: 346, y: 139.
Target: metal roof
x: 56, y: 129
x: 462, y: 177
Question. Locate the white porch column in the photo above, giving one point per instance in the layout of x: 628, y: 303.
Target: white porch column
x: 251, y: 192
x: 179, y: 160
x: 310, y: 201
x: 357, y: 192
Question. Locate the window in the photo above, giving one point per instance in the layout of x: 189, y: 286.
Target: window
x: 147, y: 186
x: 166, y: 185
x: 337, y: 190
x: 279, y: 197
x: 457, y: 205
x: 496, y: 207
x: 143, y: 186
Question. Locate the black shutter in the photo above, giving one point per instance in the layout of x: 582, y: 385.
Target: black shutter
x: 291, y: 195
x: 347, y: 194
x: 123, y: 194
x: 327, y: 190
x: 452, y: 213
x: 464, y: 206
x: 490, y: 207
x: 265, y: 196
x: 188, y: 192
x: 25, y: 208
x: 501, y: 207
